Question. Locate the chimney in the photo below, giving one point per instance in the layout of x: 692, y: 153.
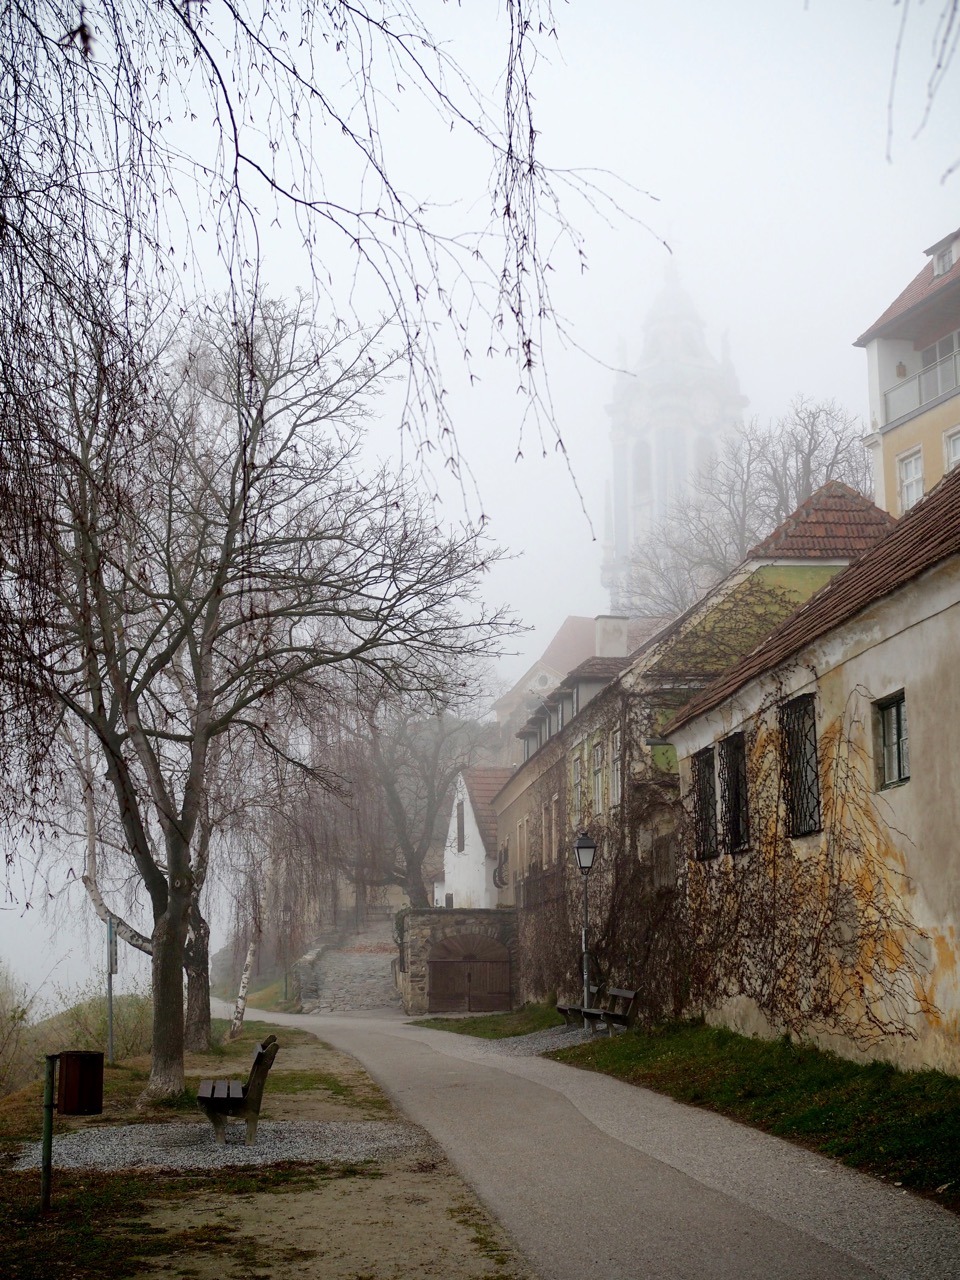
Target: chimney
x: 611, y: 636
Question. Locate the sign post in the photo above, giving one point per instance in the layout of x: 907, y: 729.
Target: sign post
x: 111, y: 970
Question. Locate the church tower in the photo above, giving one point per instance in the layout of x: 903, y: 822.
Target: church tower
x: 666, y: 421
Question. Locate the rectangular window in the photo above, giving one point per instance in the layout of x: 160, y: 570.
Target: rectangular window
x: 943, y: 261
x: 951, y: 449
x: 597, y: 779
x: 910, y: 470
x: 801, y: 774
x: 733, y: 793
x: 547, y: 826
x: 555, y: 805
x: 894, y: 740
x: 461, y: 833
x: 616, y: 749
x: 577, y: 791
x: 705, y: 805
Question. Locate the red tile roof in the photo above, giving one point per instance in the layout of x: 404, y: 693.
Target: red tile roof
x: 835, y: 523
x: 925, y: 286
x: 482, y: 785
x: 576, y: 640
x: 927, y: 534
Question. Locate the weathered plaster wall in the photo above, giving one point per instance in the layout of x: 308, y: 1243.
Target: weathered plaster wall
x: 908, y: 641
x: 424, y: 928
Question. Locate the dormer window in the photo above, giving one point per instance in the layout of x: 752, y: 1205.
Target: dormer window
x: 943, y: 261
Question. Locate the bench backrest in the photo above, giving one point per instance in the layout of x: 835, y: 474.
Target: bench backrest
x: 262, y: 1062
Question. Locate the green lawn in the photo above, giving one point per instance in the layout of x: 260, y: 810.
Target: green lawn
x: 901, y: 1126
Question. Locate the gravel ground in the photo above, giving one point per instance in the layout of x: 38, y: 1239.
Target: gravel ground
x: 538, y: 1042
x: 193, y: 1146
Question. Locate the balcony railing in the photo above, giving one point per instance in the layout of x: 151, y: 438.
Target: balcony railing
x: 913, y: 393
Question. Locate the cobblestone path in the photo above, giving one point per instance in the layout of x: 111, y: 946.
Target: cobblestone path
x: 355, y: 973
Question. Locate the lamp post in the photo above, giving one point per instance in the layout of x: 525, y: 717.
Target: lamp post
x: 585, y: 850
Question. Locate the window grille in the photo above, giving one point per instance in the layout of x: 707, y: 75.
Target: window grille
x: 895, y: 740
x: 734, y: 804
x: 801, y: 775
x: 615, y: 754
x: 705, y: 805
x: 597, y: 779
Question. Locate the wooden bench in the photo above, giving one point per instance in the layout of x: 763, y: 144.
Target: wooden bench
x: 218, y: 1099
x: 617, y: 1007
x: 573, y: 1013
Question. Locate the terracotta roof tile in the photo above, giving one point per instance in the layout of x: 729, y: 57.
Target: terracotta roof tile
x: 924, y: 286
x: 482, y: 785
x: 927, y: 534
x: 835, y: 523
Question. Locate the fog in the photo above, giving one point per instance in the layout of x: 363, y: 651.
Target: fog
x: 796, y: 183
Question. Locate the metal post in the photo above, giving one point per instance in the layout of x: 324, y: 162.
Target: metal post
x: 586, y: 957
x: 111, y: 970
x: 46, y: 1146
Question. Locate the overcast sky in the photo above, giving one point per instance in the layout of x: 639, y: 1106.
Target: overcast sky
x: 762, y: 128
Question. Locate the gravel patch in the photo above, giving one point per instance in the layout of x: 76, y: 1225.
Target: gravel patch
x: 538, y: 1042
x: 193, y: 1146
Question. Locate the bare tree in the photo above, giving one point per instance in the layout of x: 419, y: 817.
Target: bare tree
x: 205, y: 549
x: 397, y: 759
x: 758, y: 479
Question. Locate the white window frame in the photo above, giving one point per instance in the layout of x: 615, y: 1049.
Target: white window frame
x: 905, y: 482
x: 951, y: 449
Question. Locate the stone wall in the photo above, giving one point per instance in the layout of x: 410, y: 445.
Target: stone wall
x: 423, y: 928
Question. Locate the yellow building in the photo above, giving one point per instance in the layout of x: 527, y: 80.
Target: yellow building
x: 913, y: 360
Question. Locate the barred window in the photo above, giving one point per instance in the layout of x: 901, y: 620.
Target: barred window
x: 798, y: 733
x: 597, y: 779
x: 616, y: 739
x: 705, y: 805
x: 895, y: 742
x: 734, y: 806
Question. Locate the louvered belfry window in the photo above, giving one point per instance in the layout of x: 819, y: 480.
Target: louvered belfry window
x: 705, y: 805
x: 801, y: 777
x: 734, y: 806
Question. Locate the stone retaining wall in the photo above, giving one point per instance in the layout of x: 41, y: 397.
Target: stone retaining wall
x: 423, y: 928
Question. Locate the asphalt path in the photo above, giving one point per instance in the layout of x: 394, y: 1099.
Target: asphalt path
x: 596, y: 1178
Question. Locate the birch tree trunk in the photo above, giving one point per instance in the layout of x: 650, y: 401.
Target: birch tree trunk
x: 237, y: 1025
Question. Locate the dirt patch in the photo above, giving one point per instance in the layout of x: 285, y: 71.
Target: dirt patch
x: 399, y: 1219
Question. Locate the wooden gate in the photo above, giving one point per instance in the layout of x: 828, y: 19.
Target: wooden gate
x: 468, y: 974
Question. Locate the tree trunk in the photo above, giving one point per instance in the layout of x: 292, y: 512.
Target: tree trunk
x: 196, y: 962
x: 237, y: 1025
x: 169, y: 935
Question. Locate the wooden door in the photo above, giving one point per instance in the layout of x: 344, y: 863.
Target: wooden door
x: 468, y: 974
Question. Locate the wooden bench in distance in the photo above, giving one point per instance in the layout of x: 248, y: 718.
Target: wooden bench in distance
x: 573, y: 1013
x: 218, y: 1099
x: 616, y: 1008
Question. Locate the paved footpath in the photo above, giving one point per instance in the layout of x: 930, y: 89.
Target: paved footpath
x: 596, y: 1178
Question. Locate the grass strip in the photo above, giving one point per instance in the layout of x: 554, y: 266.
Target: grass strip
x: 901, y: 1126
x: 498, y: 1026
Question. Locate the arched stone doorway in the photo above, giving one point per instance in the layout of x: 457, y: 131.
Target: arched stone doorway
x: 468, y: 973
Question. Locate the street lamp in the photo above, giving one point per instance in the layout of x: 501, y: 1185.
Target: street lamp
x: 585, y: 850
